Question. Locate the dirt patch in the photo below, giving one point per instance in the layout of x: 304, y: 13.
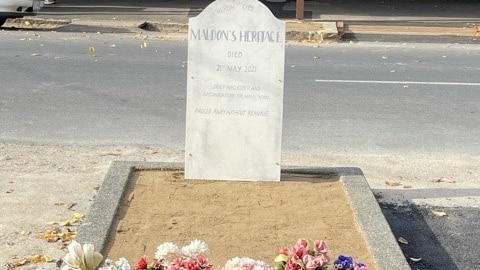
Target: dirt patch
x: 249, y: 219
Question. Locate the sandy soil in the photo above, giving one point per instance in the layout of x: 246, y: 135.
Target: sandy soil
x: 251, y: 219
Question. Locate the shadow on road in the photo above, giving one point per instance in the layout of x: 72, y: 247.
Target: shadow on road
x: 441, y: 242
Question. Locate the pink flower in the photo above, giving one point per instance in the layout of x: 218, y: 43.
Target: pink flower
x: 292, y: 264
x: 320, y: 246
x: 312, y: 263
x: 299, y: 249
x: 203, y: 263
x: 190, y: 264
x: 302, y: 242
x: 283, y: 250
x: 176, y: 264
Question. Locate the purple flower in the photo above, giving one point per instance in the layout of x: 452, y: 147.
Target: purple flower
x: 343, y: 263
x: 360, y: 266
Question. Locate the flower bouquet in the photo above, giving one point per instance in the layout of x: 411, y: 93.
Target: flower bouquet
x: 304, y: 256
x: 301, y: 256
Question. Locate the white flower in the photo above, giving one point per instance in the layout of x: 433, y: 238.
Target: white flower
x: 122, y: 264
x: 166, y: 251
x: 79, y: 258
x: 195, y: 248
x: 246, y: 263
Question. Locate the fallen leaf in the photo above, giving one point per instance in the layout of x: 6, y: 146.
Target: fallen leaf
x: 449, y: 180
x: 9, y: 191
x: 17, y: 263
x: 130, y: 198
x: 59, y: 203
x: 66, y: 223
x: 91, y: 49
x: 439, y: 213
x: 70, y: 205
x: 415, y: 259
x: 25, y: 232
x: 407, y: 186
x: 58, y: 235
x: 393, y: 183
x: 78, y: 216
x: 403, y: 240
x: 40, y: 259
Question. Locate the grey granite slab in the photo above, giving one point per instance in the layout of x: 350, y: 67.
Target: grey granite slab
x: 101, y: 219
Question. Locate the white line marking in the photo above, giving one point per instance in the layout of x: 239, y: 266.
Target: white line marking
x: 400, y: 82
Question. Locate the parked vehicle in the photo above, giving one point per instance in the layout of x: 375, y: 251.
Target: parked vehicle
x: 18, y: 8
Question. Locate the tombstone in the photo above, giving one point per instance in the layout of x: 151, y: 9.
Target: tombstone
x: 236, y: 56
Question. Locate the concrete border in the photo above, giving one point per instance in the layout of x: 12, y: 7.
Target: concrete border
x: 383, y: 246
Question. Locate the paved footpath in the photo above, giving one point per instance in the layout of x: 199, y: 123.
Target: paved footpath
x: 389, y: 17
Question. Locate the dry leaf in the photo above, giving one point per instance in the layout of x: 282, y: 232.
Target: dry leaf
x: 70, y: 205
x: 439, y: 213
x: 415, y: 259
x: 9, y: 191
x: 17, y: 263
x: 91, y: 49
x: 40, y: 259
x: 57, y: 235
x: 403, y: 240
x: 407, y: 186
x: 444, y: 180
x: 78, y: 216
x: 25, y: 232
x: 393, y: 183
x: 66, y: 223
x: 59, y: 203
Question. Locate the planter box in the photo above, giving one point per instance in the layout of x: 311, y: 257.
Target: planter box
x: 107, y: 228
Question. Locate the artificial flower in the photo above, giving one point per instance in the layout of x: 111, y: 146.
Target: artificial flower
x: 302, y: 256
x: 166, y: 252
x: 360, y: 266
x: 347, y: 263
x: 143, y: 264
x: 81, y: 258
x: 246, y: 263
x: 121, y: 264
x: 196, y: 247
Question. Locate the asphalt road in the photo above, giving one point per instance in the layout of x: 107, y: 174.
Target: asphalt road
x: 354, y: 98
x: 409, y: 111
